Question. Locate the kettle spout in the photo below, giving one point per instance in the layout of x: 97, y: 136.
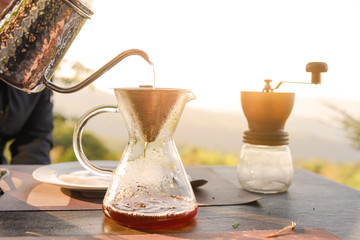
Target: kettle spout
x: 190, y: 96
x: 99, y: 72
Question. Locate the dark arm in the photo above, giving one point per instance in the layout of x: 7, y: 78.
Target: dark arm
x: 33, y: 143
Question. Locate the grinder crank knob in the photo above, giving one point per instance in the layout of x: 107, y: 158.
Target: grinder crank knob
x: 316, y: 68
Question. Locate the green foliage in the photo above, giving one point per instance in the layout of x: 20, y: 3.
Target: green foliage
x: 198, y: 156
x: 95, y: 149
x: 80, y: 72
x: 63, y: 131
x: 349, y: 123
x: 346, y: 173
x: 63, y: 146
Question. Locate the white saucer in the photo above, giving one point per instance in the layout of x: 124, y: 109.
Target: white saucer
x: 71, y: 175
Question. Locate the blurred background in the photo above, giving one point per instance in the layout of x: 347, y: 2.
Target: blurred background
x: 218, y: 49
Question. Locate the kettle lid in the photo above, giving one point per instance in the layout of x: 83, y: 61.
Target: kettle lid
x: 83, y: 7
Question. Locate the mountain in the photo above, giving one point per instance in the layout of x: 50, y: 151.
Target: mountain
x: 312, y: 132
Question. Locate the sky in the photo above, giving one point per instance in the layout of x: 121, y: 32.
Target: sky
x: 218, y: 48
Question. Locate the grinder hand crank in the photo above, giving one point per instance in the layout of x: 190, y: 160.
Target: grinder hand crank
x: 316, y: 68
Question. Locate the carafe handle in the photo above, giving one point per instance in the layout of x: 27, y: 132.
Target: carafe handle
x: 77, y: 140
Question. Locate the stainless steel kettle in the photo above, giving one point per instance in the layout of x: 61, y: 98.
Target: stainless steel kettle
x: 34, y: 37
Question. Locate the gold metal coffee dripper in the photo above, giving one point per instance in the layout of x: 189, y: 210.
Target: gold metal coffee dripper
x: 265, y: 163
x: 150, y: 107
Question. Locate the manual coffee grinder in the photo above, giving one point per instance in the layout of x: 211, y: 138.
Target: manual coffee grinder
x: 265, y: 163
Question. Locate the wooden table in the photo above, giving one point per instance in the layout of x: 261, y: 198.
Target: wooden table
x: 312, y: 202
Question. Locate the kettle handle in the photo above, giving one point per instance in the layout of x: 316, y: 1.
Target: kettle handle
x: 77, y: 140
x: 98, y: 73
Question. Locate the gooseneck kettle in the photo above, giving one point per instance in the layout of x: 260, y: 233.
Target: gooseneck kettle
x: 34, y: 37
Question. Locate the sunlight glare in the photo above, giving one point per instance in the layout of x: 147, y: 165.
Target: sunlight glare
x: 219, y: 48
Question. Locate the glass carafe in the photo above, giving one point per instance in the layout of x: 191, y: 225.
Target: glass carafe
x: 149, y: 188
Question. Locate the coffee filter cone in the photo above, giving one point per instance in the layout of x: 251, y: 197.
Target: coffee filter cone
x: 150, y: 108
